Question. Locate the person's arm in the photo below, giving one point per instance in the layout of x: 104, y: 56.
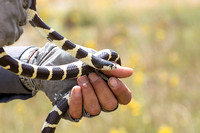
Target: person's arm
x: 88, y: 98
x: 10, y: 84
x: 12, y: 17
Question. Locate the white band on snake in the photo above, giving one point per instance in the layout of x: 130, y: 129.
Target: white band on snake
x: 102, y: 60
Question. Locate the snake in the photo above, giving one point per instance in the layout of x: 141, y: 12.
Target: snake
x: 103, y: 60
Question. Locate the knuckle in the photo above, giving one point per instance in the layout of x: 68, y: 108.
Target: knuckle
x: 8, y: 38
x: 11, y: 30
x: 111, y: 105
x: 118, y: 90
x: 23, y: 20
x: 26, y: 4
x: 76, y: 114
x: 11, y: 36
x: 94, y: 110
x: 77, y: 102
x: 125, y: 97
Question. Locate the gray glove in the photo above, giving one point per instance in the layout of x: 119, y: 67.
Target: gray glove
x: 50, y: 55
x: 12, y: 17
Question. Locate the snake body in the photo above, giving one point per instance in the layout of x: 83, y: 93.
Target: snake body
x: 58, y: 72
x: 62, y: 106
x: 102, y: 60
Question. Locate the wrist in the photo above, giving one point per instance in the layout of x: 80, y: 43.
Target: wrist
x: 28, y: 54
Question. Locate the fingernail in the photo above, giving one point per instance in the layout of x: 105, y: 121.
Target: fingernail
x: 83, y: 80
x: 117, y: 65
x: 76, y: 90
x: 93, y: 77
x: 113, y: 83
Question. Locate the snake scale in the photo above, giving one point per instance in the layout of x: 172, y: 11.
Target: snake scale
x: 102, y: 60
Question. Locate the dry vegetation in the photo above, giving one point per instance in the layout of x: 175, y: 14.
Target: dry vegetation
x: 158, y: 38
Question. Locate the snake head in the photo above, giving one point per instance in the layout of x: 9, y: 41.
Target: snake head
x: 110, y: 67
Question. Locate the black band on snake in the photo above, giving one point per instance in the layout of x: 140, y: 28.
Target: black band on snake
x: 102, y: 60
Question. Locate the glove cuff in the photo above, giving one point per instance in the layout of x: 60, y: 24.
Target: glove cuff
x: 25, y: 57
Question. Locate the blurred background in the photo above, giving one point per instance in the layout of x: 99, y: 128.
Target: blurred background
x: 159, y: 39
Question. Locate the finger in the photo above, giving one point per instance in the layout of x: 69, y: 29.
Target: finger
x: 104, y: 94
x: 91, y: 104
x: 120, y: 90
x: 120, y: 72
x: 75, y: 108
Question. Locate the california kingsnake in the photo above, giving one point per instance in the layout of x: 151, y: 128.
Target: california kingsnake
x: 88, y: 62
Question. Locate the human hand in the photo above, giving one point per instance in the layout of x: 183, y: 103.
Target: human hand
x: 86, y: 94
x: 12, y: 17
x: 93, y: 93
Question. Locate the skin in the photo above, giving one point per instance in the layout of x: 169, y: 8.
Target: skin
x: 93, y: 90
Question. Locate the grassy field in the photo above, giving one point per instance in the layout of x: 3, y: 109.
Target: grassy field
x: 158, y: 39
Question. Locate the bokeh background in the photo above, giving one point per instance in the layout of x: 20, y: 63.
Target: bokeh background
x: 159, y: 39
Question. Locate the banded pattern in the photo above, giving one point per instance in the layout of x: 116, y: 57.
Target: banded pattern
x: 61, y: 72
x: 55, y: 115
x: 74, y: 49
x: 56, y: 72
x: 102, y: 60
x: 62, y: 106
